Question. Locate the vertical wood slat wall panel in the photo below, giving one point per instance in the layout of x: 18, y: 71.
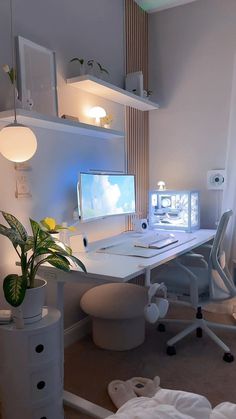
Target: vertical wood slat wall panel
x: 137, y: 147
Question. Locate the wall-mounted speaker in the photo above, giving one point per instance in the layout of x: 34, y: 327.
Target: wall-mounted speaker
x: 79, y: 243
x: 216, y: 179
x: 141, y: 225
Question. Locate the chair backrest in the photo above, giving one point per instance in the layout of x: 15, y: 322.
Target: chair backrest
x: 221, y: 282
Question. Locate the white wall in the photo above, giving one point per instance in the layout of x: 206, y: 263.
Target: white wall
x: 72, y: 28
x: 191, y: 53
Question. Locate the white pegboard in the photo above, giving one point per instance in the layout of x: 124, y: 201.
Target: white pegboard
x: 216, y: 179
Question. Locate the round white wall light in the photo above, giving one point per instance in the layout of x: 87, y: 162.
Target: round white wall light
x: 17, y: 143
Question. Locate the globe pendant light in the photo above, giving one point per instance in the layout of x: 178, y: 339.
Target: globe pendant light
x: 17, y: 142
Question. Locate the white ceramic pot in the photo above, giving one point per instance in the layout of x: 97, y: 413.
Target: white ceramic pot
x: 32, y: 306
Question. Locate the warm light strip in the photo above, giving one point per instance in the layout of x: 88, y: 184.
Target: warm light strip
x: 136, y: 26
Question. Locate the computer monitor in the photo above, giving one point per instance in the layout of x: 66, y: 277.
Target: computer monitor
x: 104, y: 195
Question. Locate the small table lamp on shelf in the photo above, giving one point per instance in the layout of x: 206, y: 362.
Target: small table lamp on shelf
x: 97, y: 112
x: 161, y: 185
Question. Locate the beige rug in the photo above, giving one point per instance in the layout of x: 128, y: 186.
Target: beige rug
x: 198, y: 366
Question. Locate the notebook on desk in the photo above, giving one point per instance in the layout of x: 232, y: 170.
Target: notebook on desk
x: 128, y: 249
x: 159, y: 243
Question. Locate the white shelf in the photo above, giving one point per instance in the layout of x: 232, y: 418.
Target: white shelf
x: 37, y: 120
x: 108, y: 91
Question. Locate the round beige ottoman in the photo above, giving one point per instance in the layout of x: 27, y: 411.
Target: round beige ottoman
x: 117, y: 315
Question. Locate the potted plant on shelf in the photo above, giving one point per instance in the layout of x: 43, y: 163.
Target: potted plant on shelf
x: 106, y: 121
x: 25, y: 290
x: 102, y: 70
x: 89, y: 67
x: 82, y: 67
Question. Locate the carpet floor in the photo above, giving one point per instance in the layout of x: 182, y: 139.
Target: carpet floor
x: 198, y: 366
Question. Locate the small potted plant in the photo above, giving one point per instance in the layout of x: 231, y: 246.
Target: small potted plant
x: 106, y: 121
x: 25, y: 289
x: 81, y: 62
x: 147, y: 94
x: 102, y: 71
x: 52, y: 227
x: 88, y: 67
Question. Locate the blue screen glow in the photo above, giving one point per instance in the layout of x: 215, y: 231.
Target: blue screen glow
x: 103, y: 195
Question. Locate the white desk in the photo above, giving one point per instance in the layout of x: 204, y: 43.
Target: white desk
x: 117, y: 268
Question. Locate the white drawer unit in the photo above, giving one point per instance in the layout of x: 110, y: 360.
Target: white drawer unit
x: 53, y: 409
x: 31, y: 369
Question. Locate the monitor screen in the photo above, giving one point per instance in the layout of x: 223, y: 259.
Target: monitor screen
x: 103, y: 195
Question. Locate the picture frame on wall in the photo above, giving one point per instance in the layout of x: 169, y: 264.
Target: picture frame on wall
x: 36, y: 77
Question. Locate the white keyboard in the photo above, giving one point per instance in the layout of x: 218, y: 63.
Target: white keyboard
x: 152, y: 239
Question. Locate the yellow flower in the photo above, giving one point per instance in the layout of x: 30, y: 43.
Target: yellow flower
x: 49, y: 223
x: 106, y: 119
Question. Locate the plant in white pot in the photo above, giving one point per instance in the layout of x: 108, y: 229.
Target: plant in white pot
x: 32, y: 250
x: 53, y: 228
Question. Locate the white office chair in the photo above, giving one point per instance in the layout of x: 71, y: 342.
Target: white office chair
x: 199, y: 280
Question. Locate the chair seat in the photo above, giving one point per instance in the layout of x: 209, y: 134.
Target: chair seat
x: 178, y: 282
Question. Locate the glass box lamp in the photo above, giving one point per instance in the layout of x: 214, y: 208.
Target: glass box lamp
x: 174, y: 210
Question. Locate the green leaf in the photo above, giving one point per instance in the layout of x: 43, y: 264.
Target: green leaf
x: 14, y: 287
x: 35, y: 229
x: 5, y: 231
x: 45, y: 238
x: 15, y: 225
x: 41, y: 251
x: 102, y: 69
x: 81, y: 60
x: 90, y: 63
x: 78, y: 262
x: 12, y: 235
x: 12, y: 75
x: 59, y: 262
x: 29, y: 244
x: 59, y: 227
x: 66, y: 251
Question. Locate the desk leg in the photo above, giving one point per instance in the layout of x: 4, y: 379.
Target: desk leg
x: 60, y: 307
x: 84, y: 406
x: 70, y: 399
x: 147, y: 277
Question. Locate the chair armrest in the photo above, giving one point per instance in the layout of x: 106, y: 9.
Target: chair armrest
x: 205, y: 250
x: 193, y: 260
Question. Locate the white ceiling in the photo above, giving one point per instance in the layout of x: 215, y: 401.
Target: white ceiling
x: 152, y: 6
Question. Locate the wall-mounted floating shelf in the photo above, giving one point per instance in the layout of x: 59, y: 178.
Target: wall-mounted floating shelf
x: 108, y: 91
x: 34, y: 119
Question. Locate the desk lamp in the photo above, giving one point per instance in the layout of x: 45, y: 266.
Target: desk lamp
x: 97, y: 112
x: 161, y: 185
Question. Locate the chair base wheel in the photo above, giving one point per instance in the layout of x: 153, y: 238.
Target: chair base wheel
x: 228, y: 357
x: 199, y: 332
x: 161, y: 327
x: 170, y: 350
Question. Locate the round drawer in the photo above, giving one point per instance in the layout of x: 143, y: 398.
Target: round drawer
x: 38, y: 384
x: 53, y: 409
x: 43, y: 347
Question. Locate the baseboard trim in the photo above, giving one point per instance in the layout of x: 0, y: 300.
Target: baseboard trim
x: 77, y: 331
